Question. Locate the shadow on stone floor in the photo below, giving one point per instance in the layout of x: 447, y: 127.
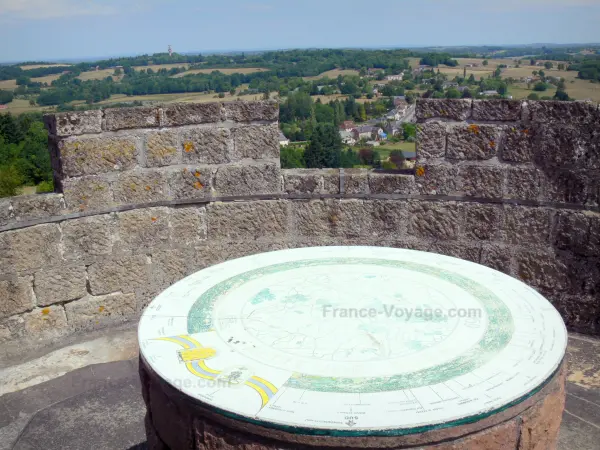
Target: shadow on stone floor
x: 100, y: 407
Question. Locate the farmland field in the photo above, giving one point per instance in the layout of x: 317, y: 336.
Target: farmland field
x: 43, y: 66
x: 97, y: 74
x: 225, y: 71
x: 190, y: 97
x: 18, y: 106
x: 333, y: 74
x: 156, y: 67
x: 8, y: 84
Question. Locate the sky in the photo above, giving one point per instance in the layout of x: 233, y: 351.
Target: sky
x: 47, y: 30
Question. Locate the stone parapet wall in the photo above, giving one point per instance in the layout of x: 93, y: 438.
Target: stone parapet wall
x: 68, y: 266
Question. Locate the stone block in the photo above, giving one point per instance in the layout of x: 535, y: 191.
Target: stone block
x: 578, y: 232
x: 89, y: 237
x: 482, y: 222
x: 127, y: 118
x: 251, y: 111
x: 248, y: 180
x: 568, y: 147
x: 42, y: 323
x: 6, y: 210
x: 248, y: 220
x: 92, y: 156
x: 141, y: 186
x: 60, y: 284
x: 382, y: 183
x: 389, y: 218
x: 192, y: 182
x: 72, y: 123
x: 207, y: 145
x: 188, y: 225
x: 355, y: 181
x: 472, y: 142
x: 143, y: 228
x: 331, y: 181
x: 436, y: 179
x: 96, y: 312
x: 566, y: 186
x: 16, y: 296
x: 431, y: 140
x: 352, y: 219
x: 177, y: 114
x: 29, y: 248
x: 331, y: 218
x: 171, y: 266
x: 581, y: 313
x: 162, y: 149
x: 497, y: 257
x: 542, y: 269
x: 256, y: 142
x: 443, y: 108
x: 481, y: 181
x: 554, y: 112
x: 527, y: 225
x: 523, y: 183
x: 124, y: 274
x: 518, y: 143
x: 583, y: 273
x: 497, y: 110
x: 37, y: 206
x: 217, y: 252
x: 434, y: 220
x: 303, y: 181
x: 461, y: 250
x: 87, y: 193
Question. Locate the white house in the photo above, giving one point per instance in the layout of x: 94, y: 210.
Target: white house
x: 283, y: 141
x: 347, y: 137
x: 398, y: 77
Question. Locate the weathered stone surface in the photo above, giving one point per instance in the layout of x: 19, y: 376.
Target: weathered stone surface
x: 553, y: 112
x: 192, y: 182
x: 29, y: 248
x: 126, y: 118
x: 141, y: 186
x: 434, y: 220
x: 355, y: 181
x: 303, y: 181
x: 431, y: 140
x: 177, y: 114
x: 568, y: 147
x: 207, y: 145
x: 526, y: 225
x: 501, y: 437
x: 497, y: 110
x: 472, y: 142
x: 331, y: 181
x: 498, y: 257
x: 580, y: 312
x: 518, y: 143
x: 5, y: 211
x: 217, y: 252
x: 87, y: 193
x: 330, y: 218
x: 91, y: 156
x: 482, y: 181
x: 88, y: 237
x: 95, y: 312
x: 566, y: 186
x: 171, y: 266
x: 37, y: 206
x: 162, y: 149
x: 38, y: 324
x: 543, y: 269
x: 583, y: 273
x: 71, y: 123
x: 483, y: 222
x: 124, y: 274
x: 188, y: 225
x: 248, y: 180
x: 523, y: 183
x: 251, y: 111
x: 436, y: 179
x: 143, y: 228
x: 389, y: 218
x: 16, y: 296
x: 572, y: 232
x: 248, y: 220
x: 447, y: 109
x: 461, y: 250
x: 60, y: 284
x: 256, y: 142
x: 380, y: 183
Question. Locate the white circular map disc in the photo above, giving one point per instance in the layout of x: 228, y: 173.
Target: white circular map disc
x: 356, y: 339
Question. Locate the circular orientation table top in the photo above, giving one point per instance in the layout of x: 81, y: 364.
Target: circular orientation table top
x: 353, y: 341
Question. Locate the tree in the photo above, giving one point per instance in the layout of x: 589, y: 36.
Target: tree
x: 540, y: 87
x: 485, y: 62
x: 452, y: 93
x: 535, y: 72
x: 561, y: 95
x: 397, y: 157
x: 533, y: 96
x: 561, y: 66
x: 292, y: 158
x: 548, y: 65
x: 471, y: 79
x: 502, y: 89
x: 232, y: 92
x: 532, y: 62
x: 118, y: 71
x: 10, y: 180
x: 31, y: 102
x: 324, y: 147
x: 409, y: 130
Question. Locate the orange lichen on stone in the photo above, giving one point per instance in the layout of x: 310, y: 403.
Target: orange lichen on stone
x: 198, y: 185
x: 188, y: 147
x: 474, y: 129
x: 492, y: 144
x: 154, y: 219
x: 197, y: 174
x: 185, y: 170
x: 420, y: 171
x: 148, y: 188
x: 45, y: 311
x: 526, y: 131
x: 101, y: 309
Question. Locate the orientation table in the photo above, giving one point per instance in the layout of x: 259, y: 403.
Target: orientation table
x: 358, y: 347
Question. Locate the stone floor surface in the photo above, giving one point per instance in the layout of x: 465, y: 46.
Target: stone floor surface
x: 87, y: 396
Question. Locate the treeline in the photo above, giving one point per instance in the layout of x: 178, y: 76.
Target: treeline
x: 588, y: 69
x: 24, y: 156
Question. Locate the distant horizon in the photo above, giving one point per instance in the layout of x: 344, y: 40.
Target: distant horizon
x: 60, y: 30
x: 75, y: 60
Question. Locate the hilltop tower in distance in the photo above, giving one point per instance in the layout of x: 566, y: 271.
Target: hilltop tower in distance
x: 170, y: 50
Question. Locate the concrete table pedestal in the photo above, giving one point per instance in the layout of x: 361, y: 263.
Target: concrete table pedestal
x: 351, y: 347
